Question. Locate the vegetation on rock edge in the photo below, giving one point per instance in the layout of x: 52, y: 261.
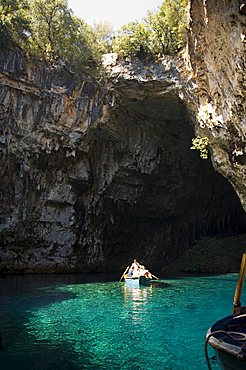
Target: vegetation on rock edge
x: 49, y: 31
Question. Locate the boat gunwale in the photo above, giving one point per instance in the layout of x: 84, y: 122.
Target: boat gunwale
x: 223, y: 346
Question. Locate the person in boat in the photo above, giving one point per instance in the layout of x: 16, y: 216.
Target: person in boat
x: 135, y: 272
x: 144, y: 272
x: 134, y: 269
x: 135, y: 264
x: 130, y: 271
x: 147, y: 274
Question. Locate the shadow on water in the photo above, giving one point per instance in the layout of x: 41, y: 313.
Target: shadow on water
x: 160, y: 284
x: 35, y: 315
x: 22, y: 298
x: 23, y: 283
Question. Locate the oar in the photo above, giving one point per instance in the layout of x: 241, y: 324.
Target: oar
x: 239, y: 286
x: 124, y: 273
x: 155, y: 276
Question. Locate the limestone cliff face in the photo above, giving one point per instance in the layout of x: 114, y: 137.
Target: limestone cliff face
x: 217, y: 63
x: 92, y: 177
x: 44, y: 114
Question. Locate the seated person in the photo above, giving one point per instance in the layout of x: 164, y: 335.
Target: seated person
x: 130, y: 271
x: 135, y: 272
x: 142, y: 270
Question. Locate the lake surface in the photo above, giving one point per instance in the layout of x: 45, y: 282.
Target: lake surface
x: 71, y: 322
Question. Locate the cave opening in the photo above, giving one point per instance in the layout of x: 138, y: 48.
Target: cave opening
x: 163, y: 197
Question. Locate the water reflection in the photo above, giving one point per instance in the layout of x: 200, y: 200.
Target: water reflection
x: 137, y: 295
x: 136, y: 300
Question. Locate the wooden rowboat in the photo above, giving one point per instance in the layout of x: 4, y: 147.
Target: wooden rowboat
x: 142, y: 277
x: 135, y: 282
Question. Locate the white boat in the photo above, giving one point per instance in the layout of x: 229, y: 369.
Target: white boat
x: 135, y: 282
x: 139, y: 277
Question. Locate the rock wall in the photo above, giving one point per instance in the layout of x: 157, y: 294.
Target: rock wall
x: 44, y: 116
x: 216, y: 66
x: 92, y: 177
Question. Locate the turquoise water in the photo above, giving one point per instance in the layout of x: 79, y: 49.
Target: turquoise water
x: 105, y: 325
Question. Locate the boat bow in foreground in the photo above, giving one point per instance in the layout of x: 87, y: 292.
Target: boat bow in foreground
x: 228, y: 338
x: 228, y: 335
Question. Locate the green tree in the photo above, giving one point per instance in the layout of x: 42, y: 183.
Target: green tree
x: 172, y: 19
x: 160, y: 33
x: 58, y: 35
x: 14, y: 21
x: 51, y: 22
x: 133, y: 39
x: 49, y: 30
x: 104, y: 34
x: 81, y: 50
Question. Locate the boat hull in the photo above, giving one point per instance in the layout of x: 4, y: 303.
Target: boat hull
x: 228, y: 362
x: 231, y: 353
x: 132, y: 282
x: 137, y: 281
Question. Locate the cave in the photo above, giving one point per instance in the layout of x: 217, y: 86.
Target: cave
x: 157, y: 197
x: 92, y: 177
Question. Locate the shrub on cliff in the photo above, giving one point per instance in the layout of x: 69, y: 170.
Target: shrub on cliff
x: 48, y: 30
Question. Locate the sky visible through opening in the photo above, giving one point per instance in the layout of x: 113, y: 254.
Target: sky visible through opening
x: 116, y: 12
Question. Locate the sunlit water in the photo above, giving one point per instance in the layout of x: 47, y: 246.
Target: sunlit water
x: 105, y: 325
